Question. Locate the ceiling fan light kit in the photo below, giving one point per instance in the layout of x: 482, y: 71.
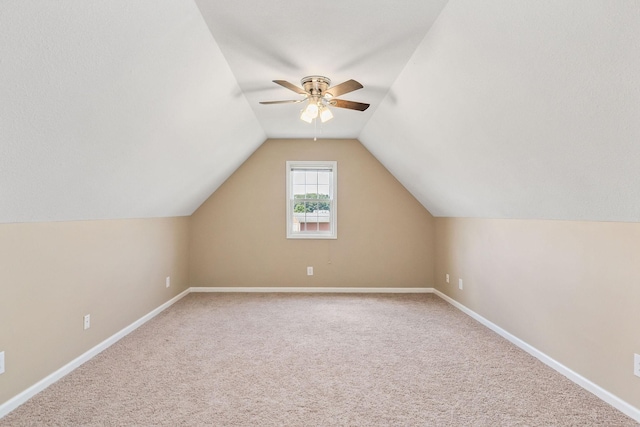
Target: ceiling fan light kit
x: 325, y: 115
x: 312, y: 109
x: 320, y: 96
x: 306, y: 117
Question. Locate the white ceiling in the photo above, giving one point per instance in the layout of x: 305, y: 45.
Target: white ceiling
x: 501, y: 108
x: 368, y: 41
x: 114, y: 109
x: 520, y: 109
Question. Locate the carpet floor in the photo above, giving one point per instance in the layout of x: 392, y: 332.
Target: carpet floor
x: 314, y: 360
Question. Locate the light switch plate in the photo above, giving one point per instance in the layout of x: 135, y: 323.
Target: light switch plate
x: 1, y: 362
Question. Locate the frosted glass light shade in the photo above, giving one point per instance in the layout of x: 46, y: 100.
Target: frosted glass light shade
x: 326, y: 115
x: 305, y: 117
x: 312, y: 110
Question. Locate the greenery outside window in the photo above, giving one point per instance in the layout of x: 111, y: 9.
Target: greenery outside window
x: 311, y: 199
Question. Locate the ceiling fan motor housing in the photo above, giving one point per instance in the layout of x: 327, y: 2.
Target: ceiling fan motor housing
x: 317, y: 92
x: 316, y: 86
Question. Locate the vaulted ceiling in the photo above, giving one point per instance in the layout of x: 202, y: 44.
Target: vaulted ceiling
x: 496, y: 108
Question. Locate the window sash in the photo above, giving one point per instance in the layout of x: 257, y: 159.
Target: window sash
x: 295, y: 229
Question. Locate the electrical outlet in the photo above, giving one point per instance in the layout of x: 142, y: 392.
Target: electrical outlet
x: 636, y: 365
x: 1, y: 362
x: 309, y: 271
x: 460, y: 284
x: 167, y: 281
x: 87, y: 321
x: 447, y: 277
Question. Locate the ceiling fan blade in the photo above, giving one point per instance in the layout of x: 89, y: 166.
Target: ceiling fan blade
x: 290, y: 86
x: 352, y: 105
x: 342, y: 88
x: 291, y: 101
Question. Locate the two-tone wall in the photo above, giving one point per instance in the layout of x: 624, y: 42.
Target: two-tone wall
x: 570, y: 289
x: 52, y: 274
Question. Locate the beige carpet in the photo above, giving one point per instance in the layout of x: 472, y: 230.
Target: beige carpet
x: 314, y: 360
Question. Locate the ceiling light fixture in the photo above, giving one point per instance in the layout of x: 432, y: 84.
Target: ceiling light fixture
x: 312, y: 108
x: 320, y: 96
x: 325, y: 114
x: 317, y: 107
x: 306, y: 117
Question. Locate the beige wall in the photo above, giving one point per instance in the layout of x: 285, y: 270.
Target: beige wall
x: 52, y: 274
x: 570, y: 289
x: 385, y: 237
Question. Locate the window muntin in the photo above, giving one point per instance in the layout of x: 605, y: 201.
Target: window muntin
x: 311, y: 200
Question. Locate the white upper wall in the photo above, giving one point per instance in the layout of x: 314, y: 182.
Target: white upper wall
x: 519, y: 109
x: 114, y: 109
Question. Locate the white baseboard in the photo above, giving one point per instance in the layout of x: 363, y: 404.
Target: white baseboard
x: 598, y: 391
x: 317, y: 290
x: 27, y: 394
x: 603, y: 394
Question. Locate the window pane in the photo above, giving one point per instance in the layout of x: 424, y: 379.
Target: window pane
x: 312, y: 177
x: 312, y: 191
x: 323, y: 190
x: 323, y: 177
x: 299, y: 190
x: 298, y: 177
x: 298, y: 207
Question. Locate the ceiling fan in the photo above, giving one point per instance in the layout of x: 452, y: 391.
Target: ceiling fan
x: 320, y: 96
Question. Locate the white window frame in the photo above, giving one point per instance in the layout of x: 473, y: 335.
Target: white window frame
x: 333, y: 184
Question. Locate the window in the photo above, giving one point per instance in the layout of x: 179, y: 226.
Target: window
x: 311, y: 200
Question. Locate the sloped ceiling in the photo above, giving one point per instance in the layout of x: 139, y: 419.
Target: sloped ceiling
x: 497, y: 108
x: 114, y: 109
x: 520, y: 109
x: 366, y: 40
